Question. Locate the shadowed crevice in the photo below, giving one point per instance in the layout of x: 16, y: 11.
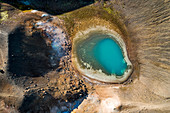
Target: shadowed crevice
x: 28, y: 55
x: 36, y: 101
x: 50, y: 6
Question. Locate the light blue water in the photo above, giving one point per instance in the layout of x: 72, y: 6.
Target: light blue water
x: 101, y: 52
x: 109, y: 55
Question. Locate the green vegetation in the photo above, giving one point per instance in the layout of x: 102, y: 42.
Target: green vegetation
x: 86, y: 13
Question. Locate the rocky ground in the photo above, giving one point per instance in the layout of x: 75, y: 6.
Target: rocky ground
x: 35, y: 80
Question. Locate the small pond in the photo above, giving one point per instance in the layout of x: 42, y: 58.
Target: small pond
x: 101, y: 52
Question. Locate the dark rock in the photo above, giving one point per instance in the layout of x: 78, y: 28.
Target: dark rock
x: 2, y: 71
x: 50, y: 6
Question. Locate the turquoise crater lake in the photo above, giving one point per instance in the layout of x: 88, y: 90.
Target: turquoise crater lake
x: 101, y: 52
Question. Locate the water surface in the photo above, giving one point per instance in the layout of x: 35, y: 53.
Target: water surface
x: 101, y: 52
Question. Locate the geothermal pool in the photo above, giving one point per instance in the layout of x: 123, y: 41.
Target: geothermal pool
x: 108, y: 53
x: 101, y: 52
